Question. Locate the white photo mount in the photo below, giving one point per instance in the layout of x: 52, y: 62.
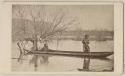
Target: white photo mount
x: 6, y: 36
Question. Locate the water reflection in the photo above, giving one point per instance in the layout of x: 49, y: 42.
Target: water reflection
x: 43, y: 59
x: 86, y: 63
x: 37, y: 60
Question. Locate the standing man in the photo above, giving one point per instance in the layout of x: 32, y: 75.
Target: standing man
x: 85, y: 42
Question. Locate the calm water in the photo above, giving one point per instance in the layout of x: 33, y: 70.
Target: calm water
x: 65, y: 64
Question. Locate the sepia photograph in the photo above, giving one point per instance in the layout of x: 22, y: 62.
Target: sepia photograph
x: 62, y: 38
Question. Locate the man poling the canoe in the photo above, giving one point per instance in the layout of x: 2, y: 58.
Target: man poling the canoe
x: 85, y: 42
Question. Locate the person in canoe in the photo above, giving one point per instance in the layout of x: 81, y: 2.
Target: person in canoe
x: 85, y: 42
x: 45, y: 48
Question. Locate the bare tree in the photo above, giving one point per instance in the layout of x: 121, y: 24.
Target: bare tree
x: 45, y: 25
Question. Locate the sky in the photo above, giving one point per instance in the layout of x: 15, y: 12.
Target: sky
x: 94, y: 17
x: 88, y: 17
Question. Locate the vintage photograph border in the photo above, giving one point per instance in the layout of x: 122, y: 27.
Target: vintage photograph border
x: 81, y: 1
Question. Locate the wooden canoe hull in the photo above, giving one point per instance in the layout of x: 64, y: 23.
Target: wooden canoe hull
x: 74, y: 53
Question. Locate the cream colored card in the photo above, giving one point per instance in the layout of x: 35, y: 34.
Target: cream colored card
x: 83, y: 38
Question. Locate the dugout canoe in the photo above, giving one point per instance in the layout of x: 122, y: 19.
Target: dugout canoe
x: 73, y: 53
